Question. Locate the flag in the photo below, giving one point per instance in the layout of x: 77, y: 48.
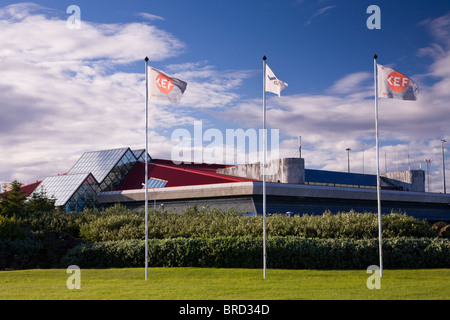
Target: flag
x: 272, y: 83
x: 393, y: 84
x: 164, y: 87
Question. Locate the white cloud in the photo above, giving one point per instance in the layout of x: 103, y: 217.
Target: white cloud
x: 356, y: 85
x: 210, y: 88
x: 317, y: 13
x: 149, y: 16
x: 439, y: 28
x: 344, y: 117
x: 62, y: 91
x: 41, y: 38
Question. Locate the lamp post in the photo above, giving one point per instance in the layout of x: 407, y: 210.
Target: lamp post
x: 443, y: 165
x: 348, y: 159
x: 428, y: 161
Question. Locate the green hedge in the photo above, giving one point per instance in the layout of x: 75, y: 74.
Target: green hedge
x: 57, y: 221
x: 246, y: 252
x: 22, y: 248
x: 120, y: 224
x: 214, y: 238
x: 113, y: 225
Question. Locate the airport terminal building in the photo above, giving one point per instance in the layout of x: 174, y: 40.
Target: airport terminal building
x: 106, y: 177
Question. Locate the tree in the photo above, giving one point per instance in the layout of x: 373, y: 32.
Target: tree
x: 40, y: 202
x: 12, y: 202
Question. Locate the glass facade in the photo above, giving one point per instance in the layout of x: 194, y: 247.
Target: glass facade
x: 118, y: 172
x: 84, y: 197
x: 140, y: 155
x: 99, y: 163
x: 109, y: 167
x: 74, y: 192
x: 94, y: 172
x: 155, y: 183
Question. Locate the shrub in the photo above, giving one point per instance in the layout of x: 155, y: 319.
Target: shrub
x: 246, y: 252
x: 111, y: 227
x: 40, y: 202
x: 12, y: 202
x: 118, y: 223
x: 23, y: 248
x: 10, y: 229
x: 108, y: 254
x: 402, y: 225
x: 55, y: 220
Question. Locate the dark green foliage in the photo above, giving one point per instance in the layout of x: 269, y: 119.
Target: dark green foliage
x: 55, y: 221
x: 10, y: 229
x: 107, y: 254
x: 21, y: 248
x: 12, y: 203
x: 40, y: 202
x: 112, y: 224
x: 114, y: 237
x: 118, y: 223
x: 246, y: 252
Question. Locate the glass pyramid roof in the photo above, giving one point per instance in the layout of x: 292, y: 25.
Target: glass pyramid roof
x: 140, y: 155
x: 99, y: 163
x: 95, y: 171
x: 62, y: 187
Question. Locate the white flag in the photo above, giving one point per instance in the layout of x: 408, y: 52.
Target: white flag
x: 393, y: 84
x: 272, y: 83
x: 164, y: 87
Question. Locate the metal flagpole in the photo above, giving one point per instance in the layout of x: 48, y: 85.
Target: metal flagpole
x: 146, y: 168
x: 378, y: 166
x: 443, y: 166
x: 264, y: 166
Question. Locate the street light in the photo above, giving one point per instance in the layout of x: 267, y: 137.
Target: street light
x: 443, y: 164
x: 428, y: 161
x: 348, y: 159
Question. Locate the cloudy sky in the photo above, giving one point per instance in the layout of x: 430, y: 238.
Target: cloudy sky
x: 65, y: 90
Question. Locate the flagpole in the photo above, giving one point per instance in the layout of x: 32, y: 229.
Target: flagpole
x: 146, y: 168
x: 264, y: 166
x: 378, y: 166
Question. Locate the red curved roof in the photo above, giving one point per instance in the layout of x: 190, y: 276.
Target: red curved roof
x: 177, y: 175
x: 27, y: 189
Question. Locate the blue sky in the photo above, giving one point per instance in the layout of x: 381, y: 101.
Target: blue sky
x: 64, y: 92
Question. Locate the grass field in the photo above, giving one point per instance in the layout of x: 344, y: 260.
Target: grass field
x: 224, y: 284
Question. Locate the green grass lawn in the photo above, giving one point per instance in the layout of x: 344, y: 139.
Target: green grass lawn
x: 223, y: 284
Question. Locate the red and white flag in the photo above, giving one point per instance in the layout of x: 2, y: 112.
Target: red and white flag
x: 393, y: 84
x: 164, y: 87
